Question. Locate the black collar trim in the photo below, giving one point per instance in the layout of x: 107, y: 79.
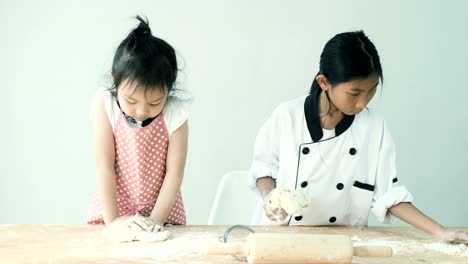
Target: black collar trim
x: 311, y: 111
x: 132, y: 120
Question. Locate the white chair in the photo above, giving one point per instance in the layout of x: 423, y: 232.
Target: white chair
x: 234, y: 202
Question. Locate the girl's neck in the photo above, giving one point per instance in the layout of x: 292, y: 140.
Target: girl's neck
x: 329, y: 115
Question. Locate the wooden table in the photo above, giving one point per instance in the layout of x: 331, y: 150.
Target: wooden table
x: 86, y: 244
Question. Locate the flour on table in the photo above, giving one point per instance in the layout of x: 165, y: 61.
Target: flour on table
x: 414, y: 246
x: 178, y: 246
x: 450, y: 249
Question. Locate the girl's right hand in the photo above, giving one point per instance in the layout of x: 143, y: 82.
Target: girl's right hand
x: 455, y: 237
x: 122, y: 222
x: 135, y: 223
x: 277, y: 214
x: 128, y: 228
x: 147, y: 224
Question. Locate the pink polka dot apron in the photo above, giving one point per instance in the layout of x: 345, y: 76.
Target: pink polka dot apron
x: 140, y: 165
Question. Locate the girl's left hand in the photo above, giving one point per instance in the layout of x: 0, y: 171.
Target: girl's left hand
x: 455, y: 237
x: 147, y: 224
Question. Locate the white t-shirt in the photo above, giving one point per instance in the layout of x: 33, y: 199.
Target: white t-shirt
x: 175, y: 111
x: 327, y: 133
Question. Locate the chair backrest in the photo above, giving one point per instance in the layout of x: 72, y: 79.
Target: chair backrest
x: 234, y: 202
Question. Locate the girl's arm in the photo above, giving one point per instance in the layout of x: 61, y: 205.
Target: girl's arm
x: 265, y: 185
x: 411, y: 215
x: 104, y: 152
x: 175, y: 164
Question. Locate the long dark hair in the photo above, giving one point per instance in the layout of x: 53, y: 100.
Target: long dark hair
x: 348, y: 56
x: 145, y: 59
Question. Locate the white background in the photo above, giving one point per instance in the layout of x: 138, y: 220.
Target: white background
x: 240, y: 59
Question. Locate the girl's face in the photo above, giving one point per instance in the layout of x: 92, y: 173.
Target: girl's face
x: 353, y: 96
x: 138, y: 104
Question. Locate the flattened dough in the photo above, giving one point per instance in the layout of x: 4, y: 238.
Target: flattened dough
x: 125, y: 230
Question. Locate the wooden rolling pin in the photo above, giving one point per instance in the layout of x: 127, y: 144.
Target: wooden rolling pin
x: 297, y: 248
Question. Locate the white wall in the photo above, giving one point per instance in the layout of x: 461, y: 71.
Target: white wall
x: 242, y: 58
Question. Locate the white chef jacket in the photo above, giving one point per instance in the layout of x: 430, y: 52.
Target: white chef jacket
x: 344, y: 177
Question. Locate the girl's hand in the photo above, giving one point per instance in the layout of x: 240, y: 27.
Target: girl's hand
x: 121, y: 221
x: 147, y: 224
x: 133, y: 228
x: 136, y: 223
x: 121, y: 229
x: 277, y: 214
x: 455, y: 237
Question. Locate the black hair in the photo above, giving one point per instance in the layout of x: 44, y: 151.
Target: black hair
x: 145, y: 59
x: 348, y: 56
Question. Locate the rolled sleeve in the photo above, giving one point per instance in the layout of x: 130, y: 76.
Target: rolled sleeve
x: 389, y: 191
x: 266, y: 149
x: 394, y: 196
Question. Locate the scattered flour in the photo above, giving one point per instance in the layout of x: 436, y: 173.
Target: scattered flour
x: 455, y: 250
x: 178, y: 246
x: 414, y: 246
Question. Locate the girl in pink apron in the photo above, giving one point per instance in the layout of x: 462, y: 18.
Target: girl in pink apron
x: 140, y: 131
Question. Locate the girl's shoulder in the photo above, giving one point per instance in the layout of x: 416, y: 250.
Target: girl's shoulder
x: 290, y: 111
x: 370, y: 116
x: 370, y: 120
x: 174, y: 104
x: 176, y: 112
x: 296, y: 104
x: 295, y: 107
x: 107, y: 97
x: 290, y: 107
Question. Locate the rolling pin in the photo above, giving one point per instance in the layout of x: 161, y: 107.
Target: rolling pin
x: 297, y: 248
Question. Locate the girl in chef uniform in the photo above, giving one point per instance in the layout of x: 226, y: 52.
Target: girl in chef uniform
x: 337, y: 151
x: 140, y: 136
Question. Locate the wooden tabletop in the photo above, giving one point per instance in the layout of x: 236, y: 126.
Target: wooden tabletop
x: 86, y: 244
